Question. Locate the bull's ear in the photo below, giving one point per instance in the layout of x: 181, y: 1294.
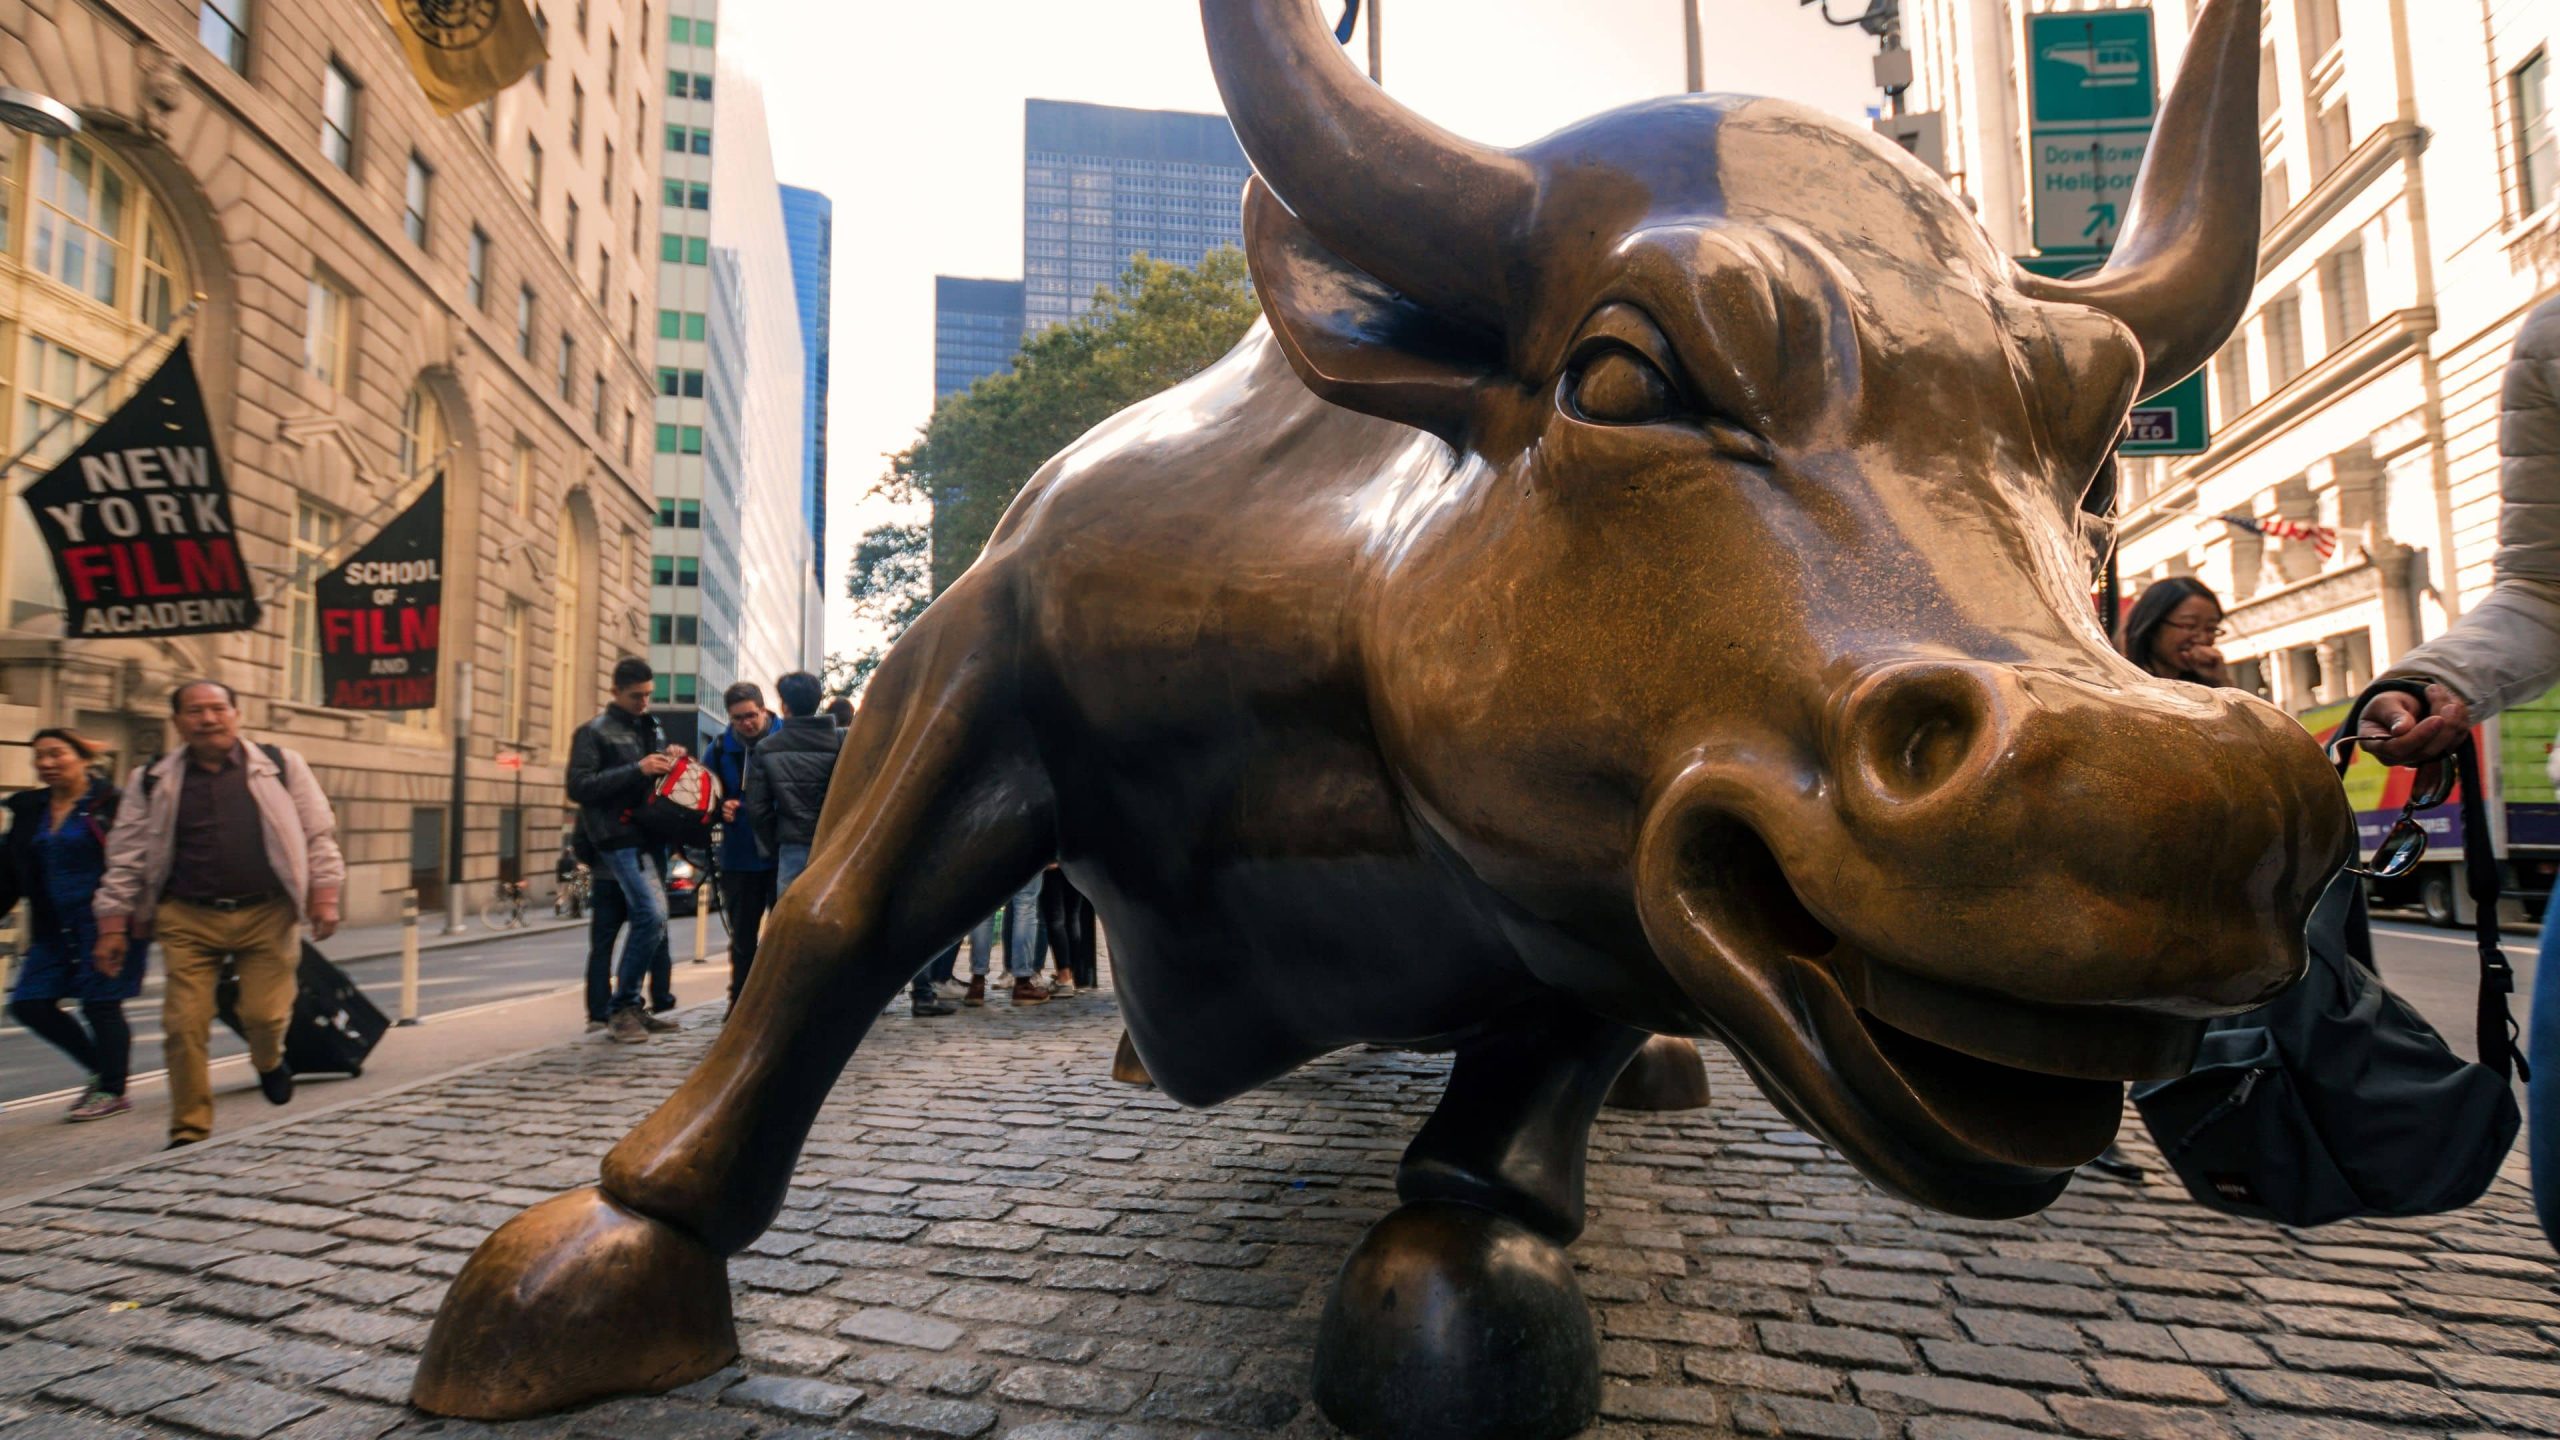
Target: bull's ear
x: 1354, y: 340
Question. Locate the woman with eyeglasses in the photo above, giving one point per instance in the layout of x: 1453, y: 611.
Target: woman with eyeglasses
x: 2174, y: 630
x: 2504, y: 651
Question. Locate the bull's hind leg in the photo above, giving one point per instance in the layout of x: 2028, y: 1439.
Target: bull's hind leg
x: 937, y: 812
x: 1458, y: 1317
x: 1667, y: 1074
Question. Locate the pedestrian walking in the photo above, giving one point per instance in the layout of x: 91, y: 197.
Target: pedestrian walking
x: 747, y: 868
x: 57, y: 852
x: 1026, y: 941
x: 224, y: 850
x: 787, y: 787
x: 613, y: 762
x: 608, y: 911
x: 2504, y: 651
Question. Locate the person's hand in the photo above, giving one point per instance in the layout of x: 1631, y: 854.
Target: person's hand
x: 654, y: 766
x: 2398, y: 730
x: 728, y: 809
x: 108, y: 955
x: 324, y: 921
x: 2205, y: 660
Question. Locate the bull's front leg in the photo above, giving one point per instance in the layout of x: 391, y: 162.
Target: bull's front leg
x: 1458, y: 1317
x: 937, y: 812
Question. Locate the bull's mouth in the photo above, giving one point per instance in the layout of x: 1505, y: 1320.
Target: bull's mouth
x: 1957, y: 1096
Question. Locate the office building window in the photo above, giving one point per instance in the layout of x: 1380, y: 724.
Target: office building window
x: 533, y: 173
x: 223, y: 26
x: 521, y: 478
x: 2231, y: 377
x: 511, y: 687
x: 605, y: 175
x: 568, y: 362
x: 423, y: 438
x: 2284, y: 339
x: 2342, y: 287
x: 338, y: 91
x: 577, y: 118
x: 569, y: 235
x: 582, y: 19
x: 612, y: 65
x: 315, y: 532
x: 478, y: 267
x: 326, y: 331
x: 524, y: 321
x: 2537, y: 152
x: 414, y: 198
x: 599, y: 406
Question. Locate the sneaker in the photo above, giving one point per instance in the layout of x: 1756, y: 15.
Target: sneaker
x: 181, y: 1142
x: 98, y: 1105
x: 1064, y: 987
x: 1027, y: 991
x: 276, y: 1085
x: 949, y: 990
x: 927, y: 1007
x: 594, y: 1025
x: 656, y: 1026
x: 88, y: 1093
x: 628, y: 1026
x: 976, y: 994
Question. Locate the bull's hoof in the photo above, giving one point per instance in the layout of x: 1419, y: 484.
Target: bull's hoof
x: 1668, y: 1073
x: 1126, y: 1067
x: 1453, y: 1323
x: 522, y: 1331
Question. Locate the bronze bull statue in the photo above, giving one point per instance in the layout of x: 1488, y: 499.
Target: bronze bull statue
x: 1632, y: 587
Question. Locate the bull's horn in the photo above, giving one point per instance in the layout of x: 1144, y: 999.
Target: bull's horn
x: 1421, y: 209
x: 2187, y: 260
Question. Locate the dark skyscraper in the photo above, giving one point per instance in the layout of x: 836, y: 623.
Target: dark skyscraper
x: 977, y: 327
x: 1102, y: 184
x: 808, y: 219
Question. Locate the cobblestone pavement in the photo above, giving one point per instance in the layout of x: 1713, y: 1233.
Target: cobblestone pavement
x: 988, y: 1237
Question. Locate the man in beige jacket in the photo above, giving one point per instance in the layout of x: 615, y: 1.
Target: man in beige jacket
x: 2507, y: 650
x: 181, y: 863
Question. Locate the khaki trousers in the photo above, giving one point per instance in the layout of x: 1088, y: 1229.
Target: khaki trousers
x: 261, y: 944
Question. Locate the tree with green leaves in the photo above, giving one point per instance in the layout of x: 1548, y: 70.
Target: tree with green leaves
x: 1162, y: 324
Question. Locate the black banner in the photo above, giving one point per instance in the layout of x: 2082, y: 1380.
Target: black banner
x: 380, y: 612
x: 138, y: 520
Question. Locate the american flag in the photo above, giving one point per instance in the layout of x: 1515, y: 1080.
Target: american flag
x: 2319, y: 537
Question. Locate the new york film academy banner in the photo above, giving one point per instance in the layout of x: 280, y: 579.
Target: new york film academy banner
x: 381, y: 611
x: 138, y: 520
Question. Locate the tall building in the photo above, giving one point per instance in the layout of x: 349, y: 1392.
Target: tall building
x: 977, y: 327
x: 1101, y: 184
x: 729, y: 585
x: 2411, y: 219
x: 810, y: 220
x: 384, y: 292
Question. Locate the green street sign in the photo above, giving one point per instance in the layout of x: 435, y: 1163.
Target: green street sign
x: 2169, y: 423
x: 2091, y: 68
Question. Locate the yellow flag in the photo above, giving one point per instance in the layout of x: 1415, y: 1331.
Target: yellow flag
x: 464, y: 51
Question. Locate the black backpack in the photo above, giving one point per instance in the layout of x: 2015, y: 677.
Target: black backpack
x: 2337, y: 1100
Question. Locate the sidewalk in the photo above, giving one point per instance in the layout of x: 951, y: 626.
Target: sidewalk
x: 987, y: 1237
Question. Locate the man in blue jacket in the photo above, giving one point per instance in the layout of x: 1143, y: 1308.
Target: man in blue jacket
x: 746, y: 867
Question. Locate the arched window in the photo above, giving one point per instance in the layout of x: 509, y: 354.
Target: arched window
x: 572, y: 662
x: 90, y: 269
x: 423, y: 437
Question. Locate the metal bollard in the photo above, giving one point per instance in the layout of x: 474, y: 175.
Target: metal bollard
x: 409, y: 957
x: 701, y: 927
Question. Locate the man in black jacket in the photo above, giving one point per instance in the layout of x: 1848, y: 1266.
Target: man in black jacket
x: 614, y: 761
x: 787, y: 786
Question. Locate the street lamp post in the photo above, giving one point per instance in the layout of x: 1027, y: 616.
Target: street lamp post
x: 1697, y: 45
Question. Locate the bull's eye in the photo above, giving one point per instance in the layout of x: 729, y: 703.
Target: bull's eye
x: 1619, y: 387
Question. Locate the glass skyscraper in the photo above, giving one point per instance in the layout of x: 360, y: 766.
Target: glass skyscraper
x: 1102, y: 184
x: 977, y: 325
x: 809, y: 219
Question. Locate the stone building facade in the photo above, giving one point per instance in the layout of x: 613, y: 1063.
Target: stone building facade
x: 383, y: 293
x: 2411, y: 221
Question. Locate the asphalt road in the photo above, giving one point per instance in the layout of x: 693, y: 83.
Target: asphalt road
x: 2438, y: 971
x: 485, y: 972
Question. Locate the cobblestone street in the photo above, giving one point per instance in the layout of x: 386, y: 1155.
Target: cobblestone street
x: 989, y: 1237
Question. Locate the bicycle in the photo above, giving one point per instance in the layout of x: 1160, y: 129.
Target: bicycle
x: 505, y: 910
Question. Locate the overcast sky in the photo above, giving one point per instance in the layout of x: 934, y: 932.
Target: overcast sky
x: 909, y: 114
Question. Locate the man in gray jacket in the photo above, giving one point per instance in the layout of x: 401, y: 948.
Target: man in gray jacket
x: 2505, y: 651
x: 224, y: 849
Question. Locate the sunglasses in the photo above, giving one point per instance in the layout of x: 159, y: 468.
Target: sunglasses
x: 2406, y: 840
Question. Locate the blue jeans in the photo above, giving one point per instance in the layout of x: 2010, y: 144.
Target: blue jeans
x: 633, y: 869
x: 788, y: 862
x: 607, y: 912
x: 1026, y: 940
x: 2542, y: 1093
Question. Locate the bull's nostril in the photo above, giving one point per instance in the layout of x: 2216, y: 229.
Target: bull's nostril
x: 1916, y: 730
